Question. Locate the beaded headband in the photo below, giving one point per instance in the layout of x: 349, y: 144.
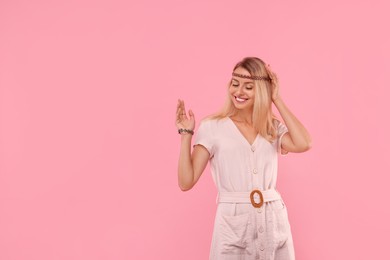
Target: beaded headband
x: 251, y: 77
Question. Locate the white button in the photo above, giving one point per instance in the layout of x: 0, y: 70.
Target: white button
x: 253, y: 148
x: 259, y: 210
x: 261, y: 229
x: 262, y: 247
x: 255, y: 171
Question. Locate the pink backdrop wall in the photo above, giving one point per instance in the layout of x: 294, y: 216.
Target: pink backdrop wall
x: 88, y: 145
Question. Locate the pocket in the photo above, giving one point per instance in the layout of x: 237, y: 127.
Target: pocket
x: 282, y: 225
x: 280, y: 210
x: 279, y: 205
x: 235, y: 234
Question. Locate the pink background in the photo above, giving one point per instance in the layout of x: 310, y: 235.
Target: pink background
x: 88, y: 145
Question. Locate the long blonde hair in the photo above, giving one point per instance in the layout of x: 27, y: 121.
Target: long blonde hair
x: 263, y: 117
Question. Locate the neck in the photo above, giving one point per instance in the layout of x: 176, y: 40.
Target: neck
x: 243, y: 116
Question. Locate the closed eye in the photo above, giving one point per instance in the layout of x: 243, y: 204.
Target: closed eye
x: 248, y: 88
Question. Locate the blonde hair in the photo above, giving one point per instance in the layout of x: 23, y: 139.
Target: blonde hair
x: 262, y: 117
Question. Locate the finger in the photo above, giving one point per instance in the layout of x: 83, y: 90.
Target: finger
x: 184, y: 107
x: 178, y: 110
x: 184, y: 115
x: 192, y: 116
x: 178, y: 107
x: 183, y: 111
x: 181, y: 106
x: 275, y: 77
x: 272, y: 75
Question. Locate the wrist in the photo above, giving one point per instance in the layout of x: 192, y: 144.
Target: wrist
x: 184, y: 131
x: 276, y: 100
x: 186, y: 138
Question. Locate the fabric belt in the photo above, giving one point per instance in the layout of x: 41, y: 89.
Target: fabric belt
x: 245, y: 196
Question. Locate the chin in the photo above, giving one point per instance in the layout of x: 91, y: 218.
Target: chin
x: 240, y: 105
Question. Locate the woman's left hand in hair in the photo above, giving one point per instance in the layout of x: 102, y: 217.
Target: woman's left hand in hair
x: 274, y: 83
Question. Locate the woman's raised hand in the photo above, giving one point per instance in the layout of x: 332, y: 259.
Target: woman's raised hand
x: 275, y: 83
x: 182, y: 121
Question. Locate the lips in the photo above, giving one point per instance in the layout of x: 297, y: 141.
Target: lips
x: 241, y: 100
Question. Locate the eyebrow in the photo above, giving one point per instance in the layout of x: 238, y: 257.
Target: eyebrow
x: 247, y: 82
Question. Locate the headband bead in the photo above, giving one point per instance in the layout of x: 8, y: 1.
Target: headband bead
x: 251, y: 77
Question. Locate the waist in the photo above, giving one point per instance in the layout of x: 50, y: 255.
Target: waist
x: 248, y: 196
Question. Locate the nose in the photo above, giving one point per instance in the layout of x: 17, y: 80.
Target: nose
x: 239, y: 90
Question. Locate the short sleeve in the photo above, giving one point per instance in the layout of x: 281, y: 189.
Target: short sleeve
x: 282, y: 129
x: 204, y: 136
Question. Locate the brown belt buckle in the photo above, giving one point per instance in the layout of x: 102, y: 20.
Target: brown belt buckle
x: 254, y: 204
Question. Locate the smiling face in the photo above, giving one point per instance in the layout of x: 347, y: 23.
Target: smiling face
x: 242, y: 90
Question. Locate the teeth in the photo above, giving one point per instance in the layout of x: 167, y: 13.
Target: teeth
x: 240, y: 99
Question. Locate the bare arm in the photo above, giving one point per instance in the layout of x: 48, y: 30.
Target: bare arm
x: 191, y: 166
x: 297, y: 139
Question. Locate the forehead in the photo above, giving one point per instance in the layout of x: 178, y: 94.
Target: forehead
x: 238, y: 79
x: 242, y: 71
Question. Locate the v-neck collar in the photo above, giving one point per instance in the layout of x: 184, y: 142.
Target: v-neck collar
x: 240, y: 134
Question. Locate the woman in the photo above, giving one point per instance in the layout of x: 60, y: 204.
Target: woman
x: 242, y: 142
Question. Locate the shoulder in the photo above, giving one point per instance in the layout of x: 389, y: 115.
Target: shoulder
x: 212, y: 122
x: 280, y: 127
x: 212, y: 125
x: 276, y: 122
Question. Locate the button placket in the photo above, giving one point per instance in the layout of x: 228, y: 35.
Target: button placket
x: 259, y: 212
x: 262, y: 247
x: 253, y: 169
x: 260, y: 230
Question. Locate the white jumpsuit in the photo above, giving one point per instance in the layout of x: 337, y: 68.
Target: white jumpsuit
x: 242, y: 231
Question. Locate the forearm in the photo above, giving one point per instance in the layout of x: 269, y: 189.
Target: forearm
x: 185, y: 169
x: 299, y: 135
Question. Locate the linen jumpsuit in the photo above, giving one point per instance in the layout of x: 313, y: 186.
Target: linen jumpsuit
x: 242, y: 231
